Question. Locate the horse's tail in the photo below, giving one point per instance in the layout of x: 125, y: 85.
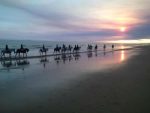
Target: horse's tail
x: 1, y: 54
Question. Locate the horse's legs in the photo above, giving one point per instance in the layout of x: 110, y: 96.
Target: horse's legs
x: 4, y: 55
x: 15, y: 55
x: 26, y: 54
x: 9, y: 55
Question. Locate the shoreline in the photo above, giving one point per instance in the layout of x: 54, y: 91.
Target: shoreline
x: 49, y: 55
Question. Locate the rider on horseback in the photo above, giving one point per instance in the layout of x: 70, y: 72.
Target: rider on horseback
x: 21, y: 47
x: 6, y: 47
x: 96, y: 47
x: 64, y: 46
x: 43, y: 47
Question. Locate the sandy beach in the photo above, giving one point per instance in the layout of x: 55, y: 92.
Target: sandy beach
x: 114, y: 82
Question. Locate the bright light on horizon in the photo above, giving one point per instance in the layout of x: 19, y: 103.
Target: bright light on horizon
x: 122, y: 29
x: 139, y: 41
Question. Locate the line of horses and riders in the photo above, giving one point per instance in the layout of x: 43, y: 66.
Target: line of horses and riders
x: 43, y: 51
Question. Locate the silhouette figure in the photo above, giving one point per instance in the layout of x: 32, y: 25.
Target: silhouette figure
x: 104, y: 47
x: 113, y: 46
x: 43, y: 50
x: 7, y: 51
x: 96, y: 47
x: 22, y: 50
x: 6, y: 48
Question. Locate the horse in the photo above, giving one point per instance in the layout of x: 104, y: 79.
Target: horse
x: 104, y: 47
x: 43, y: 50
x: 69, y: 48
x: 57, y: 49
x: 90, y: 47
x: 63, y: 49
x: 23, y: 51
x: 96, y: 47
x: 7, y: 51
x: 113, y: 46
x: 76, y: 49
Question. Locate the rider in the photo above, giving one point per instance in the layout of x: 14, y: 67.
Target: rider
x: 43, y: 47
x: 64, y: 46
x: 104, y: 46
x: 96, y: 46
x: 21, y: 46
x: 77, y: 46
x: 112, y: 46
x: 57, y: 46
x: 6, y: 47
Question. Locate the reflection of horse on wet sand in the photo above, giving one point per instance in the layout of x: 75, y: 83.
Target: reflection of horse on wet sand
x: 66, y: 57
x: 76, y: 56
x: 43, y: 61
x: 89, y: 54
x: 8, y: 63
x: 57, y: 58
x: 22, y: 62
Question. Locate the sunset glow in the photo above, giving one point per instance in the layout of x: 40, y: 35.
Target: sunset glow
x: 122, y: 58
x: 138, y: 41
x: 122, y: 29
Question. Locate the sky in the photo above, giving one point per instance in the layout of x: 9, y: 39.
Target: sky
x: 75, y: 20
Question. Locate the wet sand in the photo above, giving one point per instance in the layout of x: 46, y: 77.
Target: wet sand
x: 115, y: 82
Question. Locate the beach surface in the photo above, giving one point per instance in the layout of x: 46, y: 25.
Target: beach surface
x: 113, y: 82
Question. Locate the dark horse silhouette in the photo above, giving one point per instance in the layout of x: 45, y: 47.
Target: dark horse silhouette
x: 104, y: 47
x: 43, y: 50
x: 113, y: 46
x: 69, y: 48
x: 7, y: 51
x: 96, y: 47
x: 76, y: 48
x: 22, y: 50
x: 90, y: 47
x: 57, y: 49
x: 64, y: 48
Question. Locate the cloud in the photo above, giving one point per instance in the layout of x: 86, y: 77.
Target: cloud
x: 68, y: 18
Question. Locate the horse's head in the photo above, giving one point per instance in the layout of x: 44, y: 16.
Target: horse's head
x: 26, y: 49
